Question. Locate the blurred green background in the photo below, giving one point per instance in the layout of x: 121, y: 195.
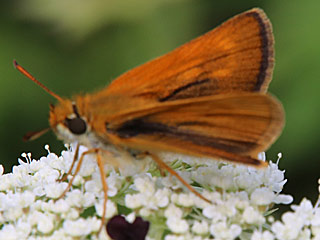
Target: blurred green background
x: 79, y: 46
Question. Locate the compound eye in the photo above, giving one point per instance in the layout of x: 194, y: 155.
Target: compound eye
x: 76, y: 125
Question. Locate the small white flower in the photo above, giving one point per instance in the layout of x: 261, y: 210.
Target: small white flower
x: 173, y: 211
x: 61, y: 206
x: 305, y: 234
x: 112, y: 190
x: 183, y: 199
x: 81, y: 227
x: 304, y: 211
x: 9, y: 232
x: 55, y: 189
x: 17, y: 200
x: 283, y: 199
x: 246, y: 181
x: 46, y: 175
x: 262, y: 196
x: 252, y: 216
x: 274, y: 178
x: 131, y: 217
x: 1, y: 169
x: 223, y: 231
x: 174, y: 237
x: 45, y: 206
x: 316, y: 232
x: 285, y: 231
x: 88, y: 199
x: 111, y: 209
x: 66, y: 160
x: 60, y: 234
x: 75, y: 198
x: 6, y: 182
x: 13, y: 213
x: 103, y: 235
x: 44, y: 223
x: 133, y: 200
x: 262, y: 156
x: 145, y: 185
x: 72, y: 214
x: 23, y: 228
x: 266, y: 235
x: 93, y: 186
x: 200, y: 228
x: 200, y: 203
x: 90, y: 166
x: 35, y: 166
x: 161, y: 197
x: 227, y: 208
x: 177, y: 225
x: 53, y: 161
x: 241, y: 200
x: 20, y: 176
x: 222, y: 181
x: 39, y: 191
x: 78, y: 181
x: 210, y: 211
x: 144, y: 212
x: 316, y: 218
x: 204, y: 174
x: 33, y: 217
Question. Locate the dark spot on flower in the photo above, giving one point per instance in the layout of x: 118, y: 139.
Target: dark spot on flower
x: 119, y: 229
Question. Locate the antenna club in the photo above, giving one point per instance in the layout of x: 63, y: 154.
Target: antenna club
x: 15, y: 64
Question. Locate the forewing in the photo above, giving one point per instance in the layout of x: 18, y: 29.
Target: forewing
x: 234, y: 127
x: 236, y: 56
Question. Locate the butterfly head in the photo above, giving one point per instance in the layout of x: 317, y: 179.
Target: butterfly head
x: 67, y: 122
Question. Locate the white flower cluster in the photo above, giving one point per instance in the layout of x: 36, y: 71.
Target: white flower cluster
x: 302, y: 223
x: 241, y: 196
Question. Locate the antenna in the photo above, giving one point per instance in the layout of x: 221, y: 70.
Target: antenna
x: 28, y: 75
x: 34, y: 135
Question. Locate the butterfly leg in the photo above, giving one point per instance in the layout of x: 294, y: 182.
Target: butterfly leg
x: 162, y: 165
x: 93, y: 150
x: 65, y: 177
x: 102, y: 174
x: 105, y: 190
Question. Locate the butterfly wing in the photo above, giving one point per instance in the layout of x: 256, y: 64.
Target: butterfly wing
x: 236, y: 56
x: 206, y: 98
x: 234, y: 127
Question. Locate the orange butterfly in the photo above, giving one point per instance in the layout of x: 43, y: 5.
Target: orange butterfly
x: 206, y: 98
